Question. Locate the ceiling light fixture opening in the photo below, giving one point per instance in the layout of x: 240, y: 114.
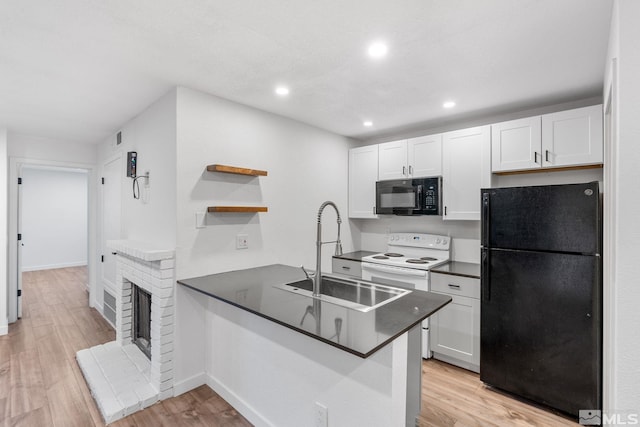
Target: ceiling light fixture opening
x: 367, y: 123
x: 282, y: 91
x: 449, y: 104
x: 377, y: 50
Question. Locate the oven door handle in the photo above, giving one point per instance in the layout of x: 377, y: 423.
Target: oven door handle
x: 394, y: 270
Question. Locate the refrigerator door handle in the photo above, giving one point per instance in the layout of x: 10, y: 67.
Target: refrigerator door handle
x: 485, y: 288
x: 485, y: 220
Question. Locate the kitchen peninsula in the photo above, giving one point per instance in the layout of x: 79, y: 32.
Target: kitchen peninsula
x: 282, y: 358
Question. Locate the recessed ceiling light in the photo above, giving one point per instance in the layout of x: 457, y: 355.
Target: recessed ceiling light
x: 282, y: 90
x: 377, y: 49
x: 449, y: 104
x: 368, y: 123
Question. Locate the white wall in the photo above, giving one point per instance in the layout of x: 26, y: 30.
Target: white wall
x: 40, y: 148
x: 54, y: 218
x: 152, y: 134
x: 305, y: 165
x: 4, y: 321
x: 622, y: 377
x: 152, y: 217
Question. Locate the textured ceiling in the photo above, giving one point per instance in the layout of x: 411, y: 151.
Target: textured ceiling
x: 79, y: 69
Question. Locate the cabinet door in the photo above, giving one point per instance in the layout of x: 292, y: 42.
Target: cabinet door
x: 392, y: 162
x: 573, y: 137
x: 363, y: 174
x: 425, y: 156
x: 466, y: 168
x: 515, y: 145
x: 455, y: 330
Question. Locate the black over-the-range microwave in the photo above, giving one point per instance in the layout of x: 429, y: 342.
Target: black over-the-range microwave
x: 417, y: 196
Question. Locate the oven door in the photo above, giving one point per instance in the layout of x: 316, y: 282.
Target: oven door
x: 404, y: 278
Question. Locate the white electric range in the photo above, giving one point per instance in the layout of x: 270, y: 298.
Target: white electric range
x: 406, y: 263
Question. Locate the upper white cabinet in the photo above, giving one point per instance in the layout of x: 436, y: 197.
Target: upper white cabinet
x: 411, y: 158
x: 563, y: 139
x: 515, y: 145
x: 392, y: 160
x: 425, y: 156
x: 466, y: 168
x: 572, y: 138
x: 363, y: 174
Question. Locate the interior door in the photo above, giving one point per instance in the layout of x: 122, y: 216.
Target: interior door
x: 111, y: 220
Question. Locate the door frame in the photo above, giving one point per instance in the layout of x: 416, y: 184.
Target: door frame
x: 15, y: 166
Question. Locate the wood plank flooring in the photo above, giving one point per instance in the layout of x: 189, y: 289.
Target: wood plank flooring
x: 41, y: 384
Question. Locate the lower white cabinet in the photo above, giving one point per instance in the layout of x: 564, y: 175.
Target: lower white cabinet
x: 346, y: 267
x: 455, y: 330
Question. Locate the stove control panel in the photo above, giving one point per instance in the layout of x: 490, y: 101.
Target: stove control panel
x: 420, y: 240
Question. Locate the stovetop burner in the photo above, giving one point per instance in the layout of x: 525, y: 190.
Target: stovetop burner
x: 380, y: 257
x: 417, y: 261
x: 429, y: 258
x: 393, y: 255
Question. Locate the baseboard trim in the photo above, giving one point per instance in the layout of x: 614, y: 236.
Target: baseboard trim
x: 54, y: 266
x: 189, y: 384
x: 238, y: 403
x: 4, y: 329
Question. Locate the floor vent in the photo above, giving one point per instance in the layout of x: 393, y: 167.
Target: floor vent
x: 109, y: 308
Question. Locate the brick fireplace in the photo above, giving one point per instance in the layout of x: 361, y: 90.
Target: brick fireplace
x: 121, y: 377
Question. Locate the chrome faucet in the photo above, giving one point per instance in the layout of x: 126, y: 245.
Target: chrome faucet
x: 317, y: 278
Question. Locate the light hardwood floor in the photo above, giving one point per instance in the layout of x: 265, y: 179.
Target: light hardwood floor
x: 41, y: 384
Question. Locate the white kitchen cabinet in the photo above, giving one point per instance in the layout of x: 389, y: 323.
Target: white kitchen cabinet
x: 392, y: 160
x: 564, y: 139
x: 363, y: 174
x: 573, y: 137
x: 455, y: 329
x: 425, y: 156
x: 411, y: 158
x: 515, y: 145
x: 466, y: 168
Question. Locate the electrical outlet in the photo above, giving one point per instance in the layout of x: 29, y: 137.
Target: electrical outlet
x: 321, y: 415
x: 242, y: 241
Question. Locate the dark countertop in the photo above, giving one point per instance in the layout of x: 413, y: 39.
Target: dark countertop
x: 361, y: 333
x: 355, y: 256
x: 457, y: 268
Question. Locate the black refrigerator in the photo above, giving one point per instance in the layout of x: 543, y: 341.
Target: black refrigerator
x: 541, y: 294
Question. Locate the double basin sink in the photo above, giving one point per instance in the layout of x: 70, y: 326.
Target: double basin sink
x: 354, y: 294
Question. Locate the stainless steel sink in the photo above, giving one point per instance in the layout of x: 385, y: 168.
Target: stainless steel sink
x: 353, y: 294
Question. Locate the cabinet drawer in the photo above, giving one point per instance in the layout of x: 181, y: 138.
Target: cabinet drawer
x: 347, y: 267
x: 455, y: 285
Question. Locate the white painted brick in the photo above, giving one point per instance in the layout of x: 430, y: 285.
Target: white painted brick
x: 111, y: 410
x: 166, y: 264
x: 130, y: 402
x: 165, y: 385
x: 167, y: 394
x: 165, y: 348
x: 147, y: 395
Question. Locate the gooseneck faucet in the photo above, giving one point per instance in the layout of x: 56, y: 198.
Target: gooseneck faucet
x: 317, y: 279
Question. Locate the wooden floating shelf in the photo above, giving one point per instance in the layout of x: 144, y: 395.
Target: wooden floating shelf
x: 236, y: 170
x: 548, y: 169
x: 241, y: 209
